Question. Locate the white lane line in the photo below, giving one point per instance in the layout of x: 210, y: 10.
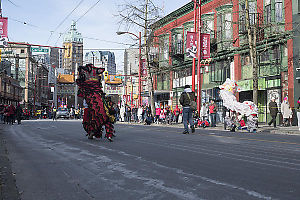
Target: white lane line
x: 220, y: 155
x: 181, y: 172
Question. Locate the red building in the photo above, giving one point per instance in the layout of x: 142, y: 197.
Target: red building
x: 225, y: 21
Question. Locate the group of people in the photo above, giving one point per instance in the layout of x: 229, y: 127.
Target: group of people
x: 9, y: 114
x: 135, y: 114
x: 285, y: 110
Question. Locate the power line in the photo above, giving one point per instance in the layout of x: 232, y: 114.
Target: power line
x: 77, y: 20
x: 64, y: 20
x: 13, y: 3
x: 88, y: 10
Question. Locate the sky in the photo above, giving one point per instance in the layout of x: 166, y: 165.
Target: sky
x: 45, y: 21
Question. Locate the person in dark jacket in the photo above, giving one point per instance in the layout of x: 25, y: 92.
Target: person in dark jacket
x: 19, y: 112
x: 185, y: 100
x: 273, y: 112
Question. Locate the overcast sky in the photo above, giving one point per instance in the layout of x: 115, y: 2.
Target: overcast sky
x: 44, y: 16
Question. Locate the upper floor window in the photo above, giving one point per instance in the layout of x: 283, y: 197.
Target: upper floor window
x: 278, y: 11
x: 268, y: 11
x: 208, y: 27
x: 252, y: 12
x: 224, y: 26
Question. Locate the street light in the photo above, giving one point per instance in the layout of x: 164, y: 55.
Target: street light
x: 140, y: 64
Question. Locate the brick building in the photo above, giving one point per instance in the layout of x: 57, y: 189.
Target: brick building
x: 224, y: 20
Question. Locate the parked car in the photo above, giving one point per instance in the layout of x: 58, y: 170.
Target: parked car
x: 62, y: 113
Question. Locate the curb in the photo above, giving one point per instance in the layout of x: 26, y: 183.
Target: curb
x: 266, y: 130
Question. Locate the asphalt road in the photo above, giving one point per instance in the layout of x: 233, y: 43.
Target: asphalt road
x: 54, y: 160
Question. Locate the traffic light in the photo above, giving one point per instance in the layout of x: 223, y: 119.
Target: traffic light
x: 105, y: 75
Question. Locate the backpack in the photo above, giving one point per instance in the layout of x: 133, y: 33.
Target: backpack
x: 193, y: 104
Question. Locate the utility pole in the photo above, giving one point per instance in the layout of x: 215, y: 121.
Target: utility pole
x: 76, y: 86
x: 253, y: 52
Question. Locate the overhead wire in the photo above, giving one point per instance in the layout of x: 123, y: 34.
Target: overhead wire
x: 88, y: 10
x: 64, y: 20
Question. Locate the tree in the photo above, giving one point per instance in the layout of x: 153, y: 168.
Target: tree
x: 136, y: 16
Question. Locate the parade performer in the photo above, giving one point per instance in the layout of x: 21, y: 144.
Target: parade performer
x: 247, y: 108
x: 99, y: 110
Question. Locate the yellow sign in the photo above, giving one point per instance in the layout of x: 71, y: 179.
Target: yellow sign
x: 68, y: 50
x: 113, y: 80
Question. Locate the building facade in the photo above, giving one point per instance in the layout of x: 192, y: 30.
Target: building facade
x: 73, y: 49
x: 103, y: 59
x: 225, y: 22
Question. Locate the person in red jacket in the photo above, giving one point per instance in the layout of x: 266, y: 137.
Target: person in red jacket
x: 212, y: 113
x: 176, y: 113
x: 11, y: 114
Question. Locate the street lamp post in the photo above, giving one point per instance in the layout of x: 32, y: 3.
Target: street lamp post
x: 140, y: 63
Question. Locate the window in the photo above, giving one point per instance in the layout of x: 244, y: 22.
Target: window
x: 278, y: 11
x: 252, y: 12
x: 242, y: 24
x: 208, y: 27
x: 264, y: 56
x: 227, y: 24
x: 268, y: 11
x: 224, y: 26
x: 220, y: 27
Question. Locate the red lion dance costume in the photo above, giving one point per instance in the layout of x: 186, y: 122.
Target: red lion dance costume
x: 100, y: 108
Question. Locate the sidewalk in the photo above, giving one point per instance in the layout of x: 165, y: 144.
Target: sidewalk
x: 291, y: 130
x: 8, y: 189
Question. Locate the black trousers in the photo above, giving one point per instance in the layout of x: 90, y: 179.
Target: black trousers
x: 273, y: 121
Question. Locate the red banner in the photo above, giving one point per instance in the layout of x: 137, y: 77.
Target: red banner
x: 144, y: 68
x: 191, y: 44
x: 205, y: 46
x: 3, y: 27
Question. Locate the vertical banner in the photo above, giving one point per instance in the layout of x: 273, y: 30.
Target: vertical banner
x: 191, y: 44
x: 144, y: 69
x: 3, y: 31
x: 205, y: 46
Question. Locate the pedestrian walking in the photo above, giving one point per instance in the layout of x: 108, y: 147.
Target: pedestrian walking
x: 122, y: 113
x: 11, y: 114
x: 286, y: 112
x: 185, y: 100
x: 298, y: 112
x: 54, y: 113
x: 176, y: 113
x: 19, y: 112
x: 213, y: 113
x: 273, y: 111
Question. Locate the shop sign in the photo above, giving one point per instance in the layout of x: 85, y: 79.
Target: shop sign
x: 113, y: 90
x: 112, y: 79
x: 245, y: 85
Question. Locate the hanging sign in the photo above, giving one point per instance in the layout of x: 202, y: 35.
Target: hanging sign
x: 3, y: 32
x: 205, y: 46
x: 191, y: 44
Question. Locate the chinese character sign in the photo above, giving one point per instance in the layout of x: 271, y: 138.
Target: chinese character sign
x: 144, y: 68
x: 3, y: 31
x: 205, y: 46
x: 191, y: 44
